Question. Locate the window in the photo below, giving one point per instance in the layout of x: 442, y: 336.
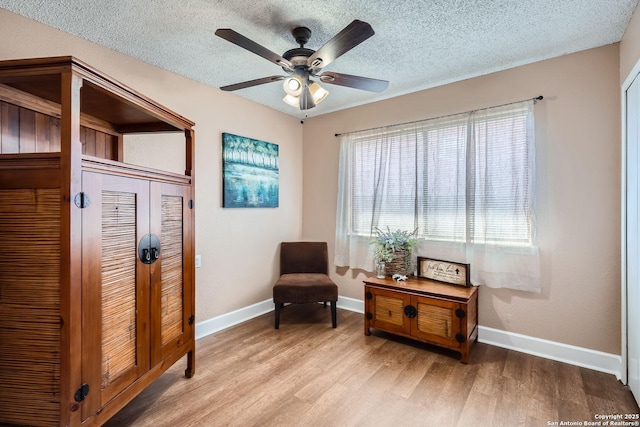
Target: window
x: 463, y: 181
x: 462, y: 178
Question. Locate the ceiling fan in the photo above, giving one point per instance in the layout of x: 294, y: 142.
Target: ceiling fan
x: 301, y: 64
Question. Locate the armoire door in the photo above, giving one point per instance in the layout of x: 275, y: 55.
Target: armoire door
x: 115, y: 286
x: 170, y: 310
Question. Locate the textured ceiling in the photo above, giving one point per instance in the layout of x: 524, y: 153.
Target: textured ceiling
x: 418, y: 43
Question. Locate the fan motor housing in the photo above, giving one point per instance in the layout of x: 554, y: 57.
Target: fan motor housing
x: 298, y: 56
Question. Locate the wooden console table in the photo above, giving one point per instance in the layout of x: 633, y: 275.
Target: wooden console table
x: 423, y: 310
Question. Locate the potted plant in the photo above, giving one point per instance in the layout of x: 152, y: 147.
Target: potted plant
x: 393, y: 249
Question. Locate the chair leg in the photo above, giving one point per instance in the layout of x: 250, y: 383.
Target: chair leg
x: 334, y: 320
x: 278, y: 307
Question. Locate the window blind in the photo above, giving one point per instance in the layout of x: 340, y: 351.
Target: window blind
x: 463, y: 178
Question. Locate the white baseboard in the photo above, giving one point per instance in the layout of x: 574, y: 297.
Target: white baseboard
x: 351, y: 304
x: 232, y: 318
x: 579, y: 356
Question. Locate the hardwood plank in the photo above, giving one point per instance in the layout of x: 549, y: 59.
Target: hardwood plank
x: 489, y: 380
x: 600, y: 395
x: 54, y: 125
x: 479, y: 410
x: 101, y: 145
x: 10, y: 128
x: 88, y: 142
x: 412, y: 373
x: 27, y: 131
x: 531, y: 403
x: 43, y: 133
x: 327, y: 404
x: 307, y: 373
x: 397, y: 411
x: 427, y: 392
x: 570, y: 411
x: 455, y: 394
x: 287, y: 413
x: 571, y: 386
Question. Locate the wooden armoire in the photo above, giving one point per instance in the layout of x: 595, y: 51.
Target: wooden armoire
x: 97, y: 265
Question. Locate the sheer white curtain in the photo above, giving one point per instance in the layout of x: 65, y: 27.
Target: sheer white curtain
x: 465, y: 181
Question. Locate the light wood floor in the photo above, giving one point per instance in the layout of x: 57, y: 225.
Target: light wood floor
x: 309, y: 374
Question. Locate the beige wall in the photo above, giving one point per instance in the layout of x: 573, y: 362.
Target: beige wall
x: 630, y: 46
x: 578, y: 152
x: 238, y: 246
x: 578, y: 129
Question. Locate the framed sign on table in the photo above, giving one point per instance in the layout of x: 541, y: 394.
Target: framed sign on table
x: 453, y: 273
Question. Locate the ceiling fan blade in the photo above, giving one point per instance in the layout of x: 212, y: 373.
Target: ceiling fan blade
x: 251, y: 83
x: 251, y: 46
x: 351, y: 36
x: 357, y: 82
x: 306, y: 100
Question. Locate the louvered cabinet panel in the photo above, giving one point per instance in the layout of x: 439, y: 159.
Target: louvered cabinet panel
x: 118, y: 300
x: 387, y: 310
x: 436, y: 321
x: 172, y: 314
x: 170, y: 308
x: 30, y: 306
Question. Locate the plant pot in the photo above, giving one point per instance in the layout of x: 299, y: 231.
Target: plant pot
x: 399, y: 263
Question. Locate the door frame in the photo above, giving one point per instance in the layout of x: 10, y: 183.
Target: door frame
x: 635, y: 72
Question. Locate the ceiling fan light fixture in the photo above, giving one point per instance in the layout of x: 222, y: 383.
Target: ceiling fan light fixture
x: 294, y: 101
x: 293, y: 85
x: 318, y: 93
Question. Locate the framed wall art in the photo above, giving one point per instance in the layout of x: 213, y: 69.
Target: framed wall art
x: 454, y: 273
x: 250, y: 173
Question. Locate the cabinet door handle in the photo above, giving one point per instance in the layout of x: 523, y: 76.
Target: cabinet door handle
x: 410, y: 311
x: 149, y: 248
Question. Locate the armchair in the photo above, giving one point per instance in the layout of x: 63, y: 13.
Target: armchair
x: 304, y: 278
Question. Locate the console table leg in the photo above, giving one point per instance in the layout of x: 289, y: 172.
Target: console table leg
x: 367, y: 331
x: 191, y: 364
x: 464, y: 354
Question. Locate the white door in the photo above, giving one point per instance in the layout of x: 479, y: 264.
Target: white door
x: 633, y: 236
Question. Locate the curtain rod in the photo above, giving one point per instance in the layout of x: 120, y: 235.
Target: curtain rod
x: 537, y: 98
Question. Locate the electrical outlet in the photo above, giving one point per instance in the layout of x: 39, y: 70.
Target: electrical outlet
x: 198, y: 261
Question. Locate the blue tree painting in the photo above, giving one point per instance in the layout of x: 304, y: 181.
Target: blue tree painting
x: 250, y: 172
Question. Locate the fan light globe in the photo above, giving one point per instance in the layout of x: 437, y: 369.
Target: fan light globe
x: 292, y: 86
x: 318, y: 93
x: 294, y: 101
